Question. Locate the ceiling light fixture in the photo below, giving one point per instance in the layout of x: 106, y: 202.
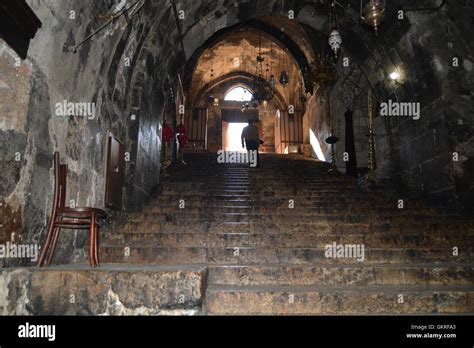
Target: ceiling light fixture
x: 335, y: 39
x: 373, y: 13
x: 262, y: 89
x: 394, y: 75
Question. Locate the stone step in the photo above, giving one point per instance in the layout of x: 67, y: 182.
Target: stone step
x: 289, y: 239
x: 198, y: 180
x: 296, y: 209
x: 323, y: 228
x: 298, y: 198
x: 343, y: 275
x: 232, y: 185
x: 108, y: 290
x: 200, y: 201
x: 265, y: 255
x: 292, y: 300
x: 273, y: 196
x: 260, y: 179
x: 331, y: 199
x: 190, y: 218
x: 280, y: 193
x: 280, y: 217
x: 276, y: 193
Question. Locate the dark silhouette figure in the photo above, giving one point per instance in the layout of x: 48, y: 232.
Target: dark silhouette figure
x: 351, y: 165
x: 251, y: 139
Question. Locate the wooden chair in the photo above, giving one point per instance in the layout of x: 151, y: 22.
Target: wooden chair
x: 69, y: 218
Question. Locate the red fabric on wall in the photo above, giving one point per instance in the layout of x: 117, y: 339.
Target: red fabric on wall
x: 167, y: 132
x: 182, y: 134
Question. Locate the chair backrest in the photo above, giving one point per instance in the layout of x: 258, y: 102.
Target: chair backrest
x: 60, y: 181
x: 62, y: 184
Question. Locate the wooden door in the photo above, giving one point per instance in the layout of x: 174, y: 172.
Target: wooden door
x: 290, y: 129
x: 115, y: 173
x: 196, y: 124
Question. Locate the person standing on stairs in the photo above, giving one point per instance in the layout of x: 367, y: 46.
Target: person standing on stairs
x: 251, y: 139
x: 182, y: 138
x: 166, y: 135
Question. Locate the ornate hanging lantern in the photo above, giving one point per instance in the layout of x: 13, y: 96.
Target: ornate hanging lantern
x: 335, y: 39
x: 372, y: 13
x: 321, y: 72
x: 271, y: 81
x: 283, y: 78
x: 262, y: 89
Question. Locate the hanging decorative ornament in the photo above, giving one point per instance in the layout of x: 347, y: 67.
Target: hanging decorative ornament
x: 302, y: 96
x: 271, y: 81
x: 284, y: 78
x: 262, y: 89
x: 372, y: 13
x: 321, y: 72
x: 245, y: 106
x: 335, y: 39
x: 282, y: 64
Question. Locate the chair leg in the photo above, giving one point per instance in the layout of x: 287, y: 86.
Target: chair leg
x: 53, y: 246
x: 47, y: 243
x: 96, y: 246
x: 92, y: 241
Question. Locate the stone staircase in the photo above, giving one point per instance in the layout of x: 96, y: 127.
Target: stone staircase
x: 261, y: 235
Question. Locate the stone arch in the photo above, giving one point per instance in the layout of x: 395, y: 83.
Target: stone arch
x: 234, y: 79
x: 301, y: 59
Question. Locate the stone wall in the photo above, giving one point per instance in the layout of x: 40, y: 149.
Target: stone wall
x: 117, y: 70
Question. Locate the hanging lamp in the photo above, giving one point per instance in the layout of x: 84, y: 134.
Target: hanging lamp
x: 334, y: 39
x: 372, y: 13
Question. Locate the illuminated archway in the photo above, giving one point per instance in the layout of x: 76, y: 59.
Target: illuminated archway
x: 238, y: 93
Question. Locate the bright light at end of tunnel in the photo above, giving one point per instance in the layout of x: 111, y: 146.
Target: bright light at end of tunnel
x: 316, y: 146
x: 234, y: 132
